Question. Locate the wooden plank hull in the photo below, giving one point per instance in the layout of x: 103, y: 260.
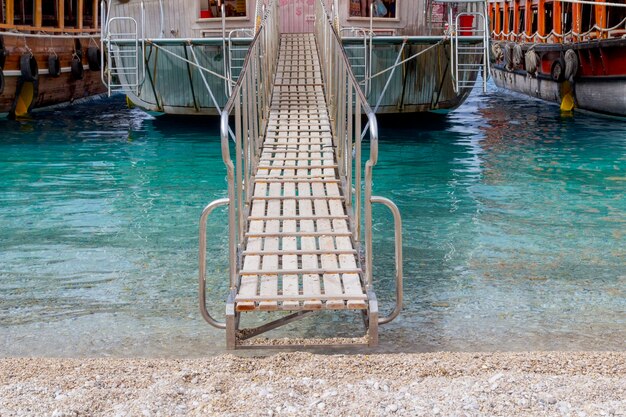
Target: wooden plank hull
x: 48, y: 90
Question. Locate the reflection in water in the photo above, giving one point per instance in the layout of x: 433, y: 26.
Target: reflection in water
x: 513, y: 224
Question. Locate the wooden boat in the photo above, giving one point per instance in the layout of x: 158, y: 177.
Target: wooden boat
x: 49, y: 53
x: 572, y: 52
x: 184, y: 57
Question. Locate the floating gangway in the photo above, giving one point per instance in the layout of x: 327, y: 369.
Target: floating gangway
x: 299, y: 197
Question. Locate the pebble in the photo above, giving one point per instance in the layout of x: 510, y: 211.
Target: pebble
x: 430, y: 384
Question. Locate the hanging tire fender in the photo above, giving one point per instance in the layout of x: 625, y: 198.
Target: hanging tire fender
x: 557, y: 71
x: 571, y: 64
x: 54, y: 66
x: 76, y: 67
x: 94, y: 58
x: 29, y: 67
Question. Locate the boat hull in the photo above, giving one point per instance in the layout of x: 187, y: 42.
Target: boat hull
x: 598, y: 83
x: 423, y: 84
x: 596, y: 94
x: 22, y: 94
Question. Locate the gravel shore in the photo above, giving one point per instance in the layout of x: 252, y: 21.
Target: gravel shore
x: 304, y: 384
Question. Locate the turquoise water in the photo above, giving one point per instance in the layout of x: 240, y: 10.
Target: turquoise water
x: 514, y: 231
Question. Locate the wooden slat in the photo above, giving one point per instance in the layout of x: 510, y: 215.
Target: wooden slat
x: 269, y: 282
x: 291, y: 286
x: 310, y: 282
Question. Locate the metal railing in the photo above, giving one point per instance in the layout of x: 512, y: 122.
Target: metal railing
x: 249, y: 105
x: 347, y: 104
x: 123, y: 39
x: 467, y: 60
x: 360, y: 58
x: 236, y: 55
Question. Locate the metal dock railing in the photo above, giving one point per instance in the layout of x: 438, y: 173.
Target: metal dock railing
x: 299, y: 198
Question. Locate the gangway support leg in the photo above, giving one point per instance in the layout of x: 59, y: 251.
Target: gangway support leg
x: 372, y: 317
x: 231, y: 322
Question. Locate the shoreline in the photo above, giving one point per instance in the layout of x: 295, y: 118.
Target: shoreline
x: 303, y: 384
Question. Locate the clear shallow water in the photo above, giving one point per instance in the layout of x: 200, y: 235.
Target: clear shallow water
x: 514, y: 231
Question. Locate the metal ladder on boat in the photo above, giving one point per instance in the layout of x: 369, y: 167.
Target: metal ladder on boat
x: 359, y: 55
x: 120, y: 37
x: 469, y: 44
x: 236, y: 55
x: 299, y: 197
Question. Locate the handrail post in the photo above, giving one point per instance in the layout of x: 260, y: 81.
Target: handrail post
x: 202, y: 262
x: 397, y: 221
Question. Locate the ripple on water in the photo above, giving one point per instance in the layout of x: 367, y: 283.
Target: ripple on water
x: 513, y: 231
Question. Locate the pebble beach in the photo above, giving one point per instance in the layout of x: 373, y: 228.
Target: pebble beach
x: 306, y: 384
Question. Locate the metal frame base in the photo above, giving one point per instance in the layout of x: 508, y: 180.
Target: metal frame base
x: 235, y: 337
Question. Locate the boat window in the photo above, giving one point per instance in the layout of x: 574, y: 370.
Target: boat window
x: 71, y: 8
x: 533, y: 21
x: 88, y: 14
x: 548, y: 18
x: 3, y: 11
x: 511, y: 25
x: 501, y: 13
x: 49, y: 14
x: 213, y: 8
x: 588, y: 20
x: 567, y: 18
x: 519, y: 25
x: 615, y: 15
x: 382, y: 8
x: 23, y: 12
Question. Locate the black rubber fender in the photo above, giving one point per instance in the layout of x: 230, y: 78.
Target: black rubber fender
x: 29, y: 67
x: 77, y: 70
x: 557, y: 72
x: 54, y: 66
x: 1, y: 81
x: 94, y: 58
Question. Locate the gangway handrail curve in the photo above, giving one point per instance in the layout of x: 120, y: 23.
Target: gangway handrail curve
x: 202, y: 267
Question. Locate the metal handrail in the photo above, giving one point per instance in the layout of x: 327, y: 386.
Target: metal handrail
x: 347, y: 103
x: 341, y: 86
x: 202, y: 262
x: 250, y: 101
x: 397, y: 222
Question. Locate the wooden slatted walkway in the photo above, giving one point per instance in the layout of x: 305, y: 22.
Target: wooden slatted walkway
x: 299, y: 253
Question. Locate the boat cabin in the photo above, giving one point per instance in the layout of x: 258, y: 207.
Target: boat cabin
x: 554, y: 21
x: 50, y: 15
